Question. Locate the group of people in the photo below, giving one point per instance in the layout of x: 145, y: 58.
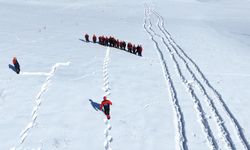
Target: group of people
x: 113, y: 42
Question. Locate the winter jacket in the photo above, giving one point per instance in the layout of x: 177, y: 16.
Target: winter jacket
x: 105, y: 102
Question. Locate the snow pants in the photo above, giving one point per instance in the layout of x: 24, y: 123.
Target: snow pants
x: 106, y: 109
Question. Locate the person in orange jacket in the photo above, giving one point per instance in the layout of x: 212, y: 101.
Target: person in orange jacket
x: 106, y: 105
x: 16, y: 65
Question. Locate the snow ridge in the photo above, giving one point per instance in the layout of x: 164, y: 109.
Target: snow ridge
x: 180, y: 133
x: 38, y: 101
x: 106, y: 88
x: 185, y: 58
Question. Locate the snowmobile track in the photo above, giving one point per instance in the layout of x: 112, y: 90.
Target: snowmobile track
x: 186, y: 59
x: 219, y: 121
x: 200, y: 112
x: 175, y: 51
x: 180, y: 134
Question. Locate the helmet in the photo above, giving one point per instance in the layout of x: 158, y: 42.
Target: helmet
x: 104, y: 97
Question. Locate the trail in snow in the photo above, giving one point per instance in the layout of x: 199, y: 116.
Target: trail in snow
x: 173, y: 50
x: 38, y: 102
x: 180, y: 135
x: 186, y: 59
x: 211, y: 105
x: 107, y: 91
x: 220, y: 122
x: 34, y: 73
x: 200, y: 112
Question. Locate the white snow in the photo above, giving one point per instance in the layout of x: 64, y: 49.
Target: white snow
x: 190, y: 90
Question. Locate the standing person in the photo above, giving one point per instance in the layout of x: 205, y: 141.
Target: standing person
x: 106, y: 105
x: 117, y: 43
x: 134, y: 49
x: 129, y: 47
x: 139, y: 50
x: 99, y: 40
x: 94, y: 38
x: 87, y: 37
x: 124, y: 45
x: 16, y: 65
x: 120, y: 44
x: 106, y: 43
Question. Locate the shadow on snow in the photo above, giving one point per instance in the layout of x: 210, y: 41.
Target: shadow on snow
x: 12, y: 68
x: 95, y: 105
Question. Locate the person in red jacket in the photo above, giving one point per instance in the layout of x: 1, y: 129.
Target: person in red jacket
x: 134, y: 49
x: 129, y: 47
x: 106, y: 105
x: 16, y: 65
x: 94, y: 38
x: 139, y: 50
x: 87, y: 37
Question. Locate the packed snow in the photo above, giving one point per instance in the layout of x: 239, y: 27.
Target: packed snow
x: 189, y: 90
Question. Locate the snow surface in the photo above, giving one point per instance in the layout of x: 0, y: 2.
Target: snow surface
x: 190, y: 90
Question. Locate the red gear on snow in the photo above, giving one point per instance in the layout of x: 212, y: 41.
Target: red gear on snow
x: 139, y: 50
x: 14, y: 60
x: 87, y: 37
x: 129, y: 47
x: 94, y: 38
x: 16, y: 65
x: 105, y: 102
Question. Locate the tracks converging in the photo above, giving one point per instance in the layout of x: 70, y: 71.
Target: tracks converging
x: 182, y: 62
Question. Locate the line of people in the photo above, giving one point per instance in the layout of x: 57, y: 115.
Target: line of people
x: 113, y: 42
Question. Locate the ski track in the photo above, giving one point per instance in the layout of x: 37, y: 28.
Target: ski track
x: 185, y: 58
x: 211, y: 105
x: 107, y: 91
x: 38, y: 103
x: 200, y: 112
x: 175, y: 50
x: 180, y: 135
x: 235, y: 123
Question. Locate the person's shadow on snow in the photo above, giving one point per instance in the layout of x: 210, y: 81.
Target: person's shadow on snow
x: 95, y: 105
x: 85, y: 41
x: 12, y: 68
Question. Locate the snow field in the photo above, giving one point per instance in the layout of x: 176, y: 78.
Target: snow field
x: 188, y: 91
